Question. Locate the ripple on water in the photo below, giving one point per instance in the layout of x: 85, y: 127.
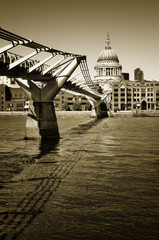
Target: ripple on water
x: 100, y: 181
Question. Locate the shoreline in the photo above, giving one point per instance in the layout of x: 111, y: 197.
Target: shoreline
x: 61, y: 113
x: 144, y: 113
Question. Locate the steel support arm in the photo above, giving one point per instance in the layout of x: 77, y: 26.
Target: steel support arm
x: 40, y: 63
x: 53, y: 66
x: 54, y: 86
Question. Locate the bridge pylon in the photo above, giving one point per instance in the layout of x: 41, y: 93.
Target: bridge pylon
x: 41, y: 118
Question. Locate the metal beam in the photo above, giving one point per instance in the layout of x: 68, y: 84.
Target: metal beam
x: 52, y: 66
x: 16, y: 63
x: 80, y: 82
x: 61, y: 68
x: 76, y: 80
x: 74, y: 76
x: 40, y: 63
x: 6, y: 48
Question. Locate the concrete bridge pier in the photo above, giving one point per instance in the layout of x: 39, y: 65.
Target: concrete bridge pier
x: 99, y: 108
x: 41, y: 121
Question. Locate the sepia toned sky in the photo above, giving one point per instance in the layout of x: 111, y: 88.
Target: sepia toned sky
x: 81, y: 27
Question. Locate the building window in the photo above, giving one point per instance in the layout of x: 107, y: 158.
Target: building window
x: 122, y: 89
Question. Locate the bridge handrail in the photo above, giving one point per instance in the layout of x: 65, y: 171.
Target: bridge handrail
x: 16, y: 40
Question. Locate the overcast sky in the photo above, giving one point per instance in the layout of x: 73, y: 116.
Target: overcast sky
x: 81, y: 27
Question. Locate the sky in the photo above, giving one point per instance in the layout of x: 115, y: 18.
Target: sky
x: 81, y: 27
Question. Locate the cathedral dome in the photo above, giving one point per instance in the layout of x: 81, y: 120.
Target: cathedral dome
x: 108, y: 68
x: 108, y: 54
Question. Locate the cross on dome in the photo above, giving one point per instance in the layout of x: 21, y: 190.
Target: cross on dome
x: 107, y: 42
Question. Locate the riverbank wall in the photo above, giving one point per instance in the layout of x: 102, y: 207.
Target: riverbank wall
x: 138, y: 113
x: 58, y: 113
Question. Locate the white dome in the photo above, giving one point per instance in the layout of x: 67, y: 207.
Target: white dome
x: 108, y: 55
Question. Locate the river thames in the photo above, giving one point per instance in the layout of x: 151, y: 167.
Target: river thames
x: 99, y: 181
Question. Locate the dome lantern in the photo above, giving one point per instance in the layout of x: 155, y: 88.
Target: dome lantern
x: 107, y: 42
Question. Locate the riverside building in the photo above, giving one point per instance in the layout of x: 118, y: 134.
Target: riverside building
x: 135, y: 95
x: 12, y: 99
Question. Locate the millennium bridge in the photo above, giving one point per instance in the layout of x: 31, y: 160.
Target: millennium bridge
x: 43, y: 82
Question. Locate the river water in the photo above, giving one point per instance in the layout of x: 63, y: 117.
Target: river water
x: 100, y: 181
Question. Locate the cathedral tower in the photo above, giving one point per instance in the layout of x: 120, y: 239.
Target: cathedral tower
x: 108, y: 69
